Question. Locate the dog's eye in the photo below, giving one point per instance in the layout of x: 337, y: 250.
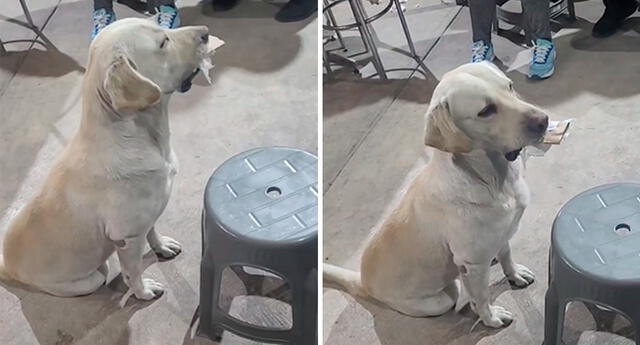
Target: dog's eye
x: 488, y: 110
x: 164, y: 42
x: 511, y: 87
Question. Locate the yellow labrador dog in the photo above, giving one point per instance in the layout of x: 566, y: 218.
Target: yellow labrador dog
x: 462, y: 209
x: 114, y: 178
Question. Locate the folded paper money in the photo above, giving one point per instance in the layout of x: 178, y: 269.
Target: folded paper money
x: 556, y: 131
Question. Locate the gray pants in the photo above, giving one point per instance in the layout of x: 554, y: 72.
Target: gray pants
x: 536, y: 18
x: 108, y: 4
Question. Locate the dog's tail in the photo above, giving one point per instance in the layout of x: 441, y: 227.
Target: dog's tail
x: 343, y: 279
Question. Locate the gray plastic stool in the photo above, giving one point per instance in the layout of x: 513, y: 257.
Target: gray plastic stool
x: 595, y: 256
x: 260, y: 211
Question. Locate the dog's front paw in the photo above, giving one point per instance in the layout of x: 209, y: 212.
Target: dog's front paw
x: 521, y: 277
x: 168, y: 248
x: 498, y: 317
x: 151, y: 290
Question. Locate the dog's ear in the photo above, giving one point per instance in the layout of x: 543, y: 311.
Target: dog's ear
x: 440, y: 131
x: 128, y: 89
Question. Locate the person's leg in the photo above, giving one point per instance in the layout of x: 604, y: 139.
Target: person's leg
x: 103, y: 15
x: 483, y: 14
x: 537, y: 16
x: 615, y: 12
x: 168, y: 16
x: 106, y: 4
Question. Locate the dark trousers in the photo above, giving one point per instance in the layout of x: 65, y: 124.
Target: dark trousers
x: 108, y: 4
x: 536, y: 14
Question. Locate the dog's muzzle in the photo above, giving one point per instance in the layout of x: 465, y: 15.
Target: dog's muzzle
x: 186, y: 84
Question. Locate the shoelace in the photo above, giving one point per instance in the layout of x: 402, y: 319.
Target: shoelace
x: 165, y: 18
x: 102, y: 19
x: 540, y: 52
x: 478, y: 52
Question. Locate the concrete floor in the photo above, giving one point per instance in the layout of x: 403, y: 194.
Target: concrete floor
x: 373, y: 148
x: 264, y: 93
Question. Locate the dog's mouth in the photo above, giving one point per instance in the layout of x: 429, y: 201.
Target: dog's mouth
x: 187, y: 83
x: 513, y: 155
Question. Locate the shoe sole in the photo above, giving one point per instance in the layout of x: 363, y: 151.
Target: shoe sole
x: 544, y: 76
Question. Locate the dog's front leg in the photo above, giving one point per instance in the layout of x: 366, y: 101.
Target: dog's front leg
x: 165, y: 247
x: 130, y: 255
x: 475, y: 278
x: 518, y: 275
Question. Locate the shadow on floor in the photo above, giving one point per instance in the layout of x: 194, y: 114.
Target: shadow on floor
x: 51, y: 61
x: 617, y: 43
x: 66, y: 321
x: 254, y: 40
x: 344, y: 92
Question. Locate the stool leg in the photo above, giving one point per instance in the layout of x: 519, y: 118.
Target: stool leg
x: 365, y: 32
x: 305, y: 311
x: 554, y: 311
x: 211, y: 296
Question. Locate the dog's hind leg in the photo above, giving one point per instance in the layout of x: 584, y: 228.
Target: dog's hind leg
x: 432, y: 305
x: 78, y: 287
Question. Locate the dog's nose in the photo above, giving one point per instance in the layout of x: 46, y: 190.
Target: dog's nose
x: 538, y: 124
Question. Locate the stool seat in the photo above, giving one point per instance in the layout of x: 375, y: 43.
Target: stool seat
x: 266, y: 195
x: 598, y: 233
x: 261, y: 212
x: 595, y: 256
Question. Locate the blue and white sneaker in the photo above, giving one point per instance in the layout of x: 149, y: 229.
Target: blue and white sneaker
x: 482, y: 51
x: 101, y: 18
x: 544, y: 58
x: 168, y: 17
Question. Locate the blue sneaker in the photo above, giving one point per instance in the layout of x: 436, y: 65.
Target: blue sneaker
x: 544, y: 58
x: 101, y: 18
x: 482, y: 51
x: 168, y: 17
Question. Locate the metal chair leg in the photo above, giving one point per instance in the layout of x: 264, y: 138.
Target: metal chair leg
x: 327, y: 62
x: 572, y: 9
x: 333, y: 22
x: 27, y: 14
x: 405, y: 28
x: 365, y: 31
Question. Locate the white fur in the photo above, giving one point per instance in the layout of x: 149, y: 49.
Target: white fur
x: 460, y: 212
x: 113, y: 180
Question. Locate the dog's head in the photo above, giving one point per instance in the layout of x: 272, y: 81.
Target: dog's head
x: 134, y: 61
x: 474, y: 107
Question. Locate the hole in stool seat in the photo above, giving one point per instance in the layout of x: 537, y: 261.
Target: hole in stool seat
x: 622, y: 229
x: 257, y: 297
x: 274, y: 192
